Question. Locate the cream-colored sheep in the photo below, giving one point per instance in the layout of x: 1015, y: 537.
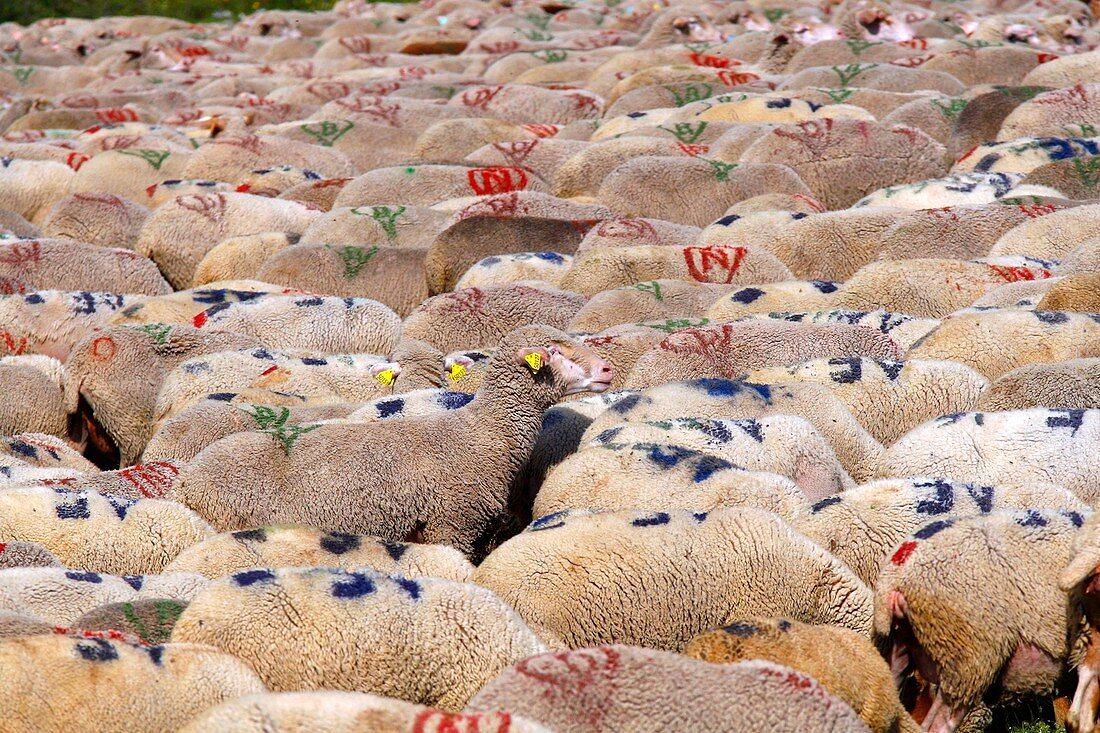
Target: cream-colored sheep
x: 903, y: 330
x: 52, y: 321
x: 549, y: 267
x: 1074, y: 383
x: 789, y: 295
x: 615, y: 563
x: 62, y: 264
x: 1052, y: 236
x: 429, y: 641
x: 240, y: 258
x: 182, y: 306
x: 30, y: 188
x: 41, y: 451
x: 291, y: 546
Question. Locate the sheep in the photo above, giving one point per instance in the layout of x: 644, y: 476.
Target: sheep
x: 41, y: 451
x: 20, y: 554
x: 634, y: 560
x: 1064, y: 71
x: 1051, y: 236
x: 998, y: 341
x: 434, y: 484
x: 889, y: 398
x: 1084, y: 258
x: 845, y: 663
x: 148, y: 620
x: 792, y: 295
x: 330, y: 711
x: 51, y: 322
x: 20, y: 378
x: 479, y: 317
x: 325, y: 325
x: 16, y: 624
x: 549, y: 267
x: 1073, y: 293
x: 100, y: 533
x: 183, y: 306
x: 783, y: 444
x: 1071, y: 384
x: 902, y: 330
x: 231, y: 158
x: 974, y: 601
x: 1046, y: 113
x: 620, y: 687
x: 729, y: 350
x: 60, y: 596
x: 655, y: 300
x: 1075, y: 177
x: 103, y: 219
x: 320, y: 194
x: 395, y: 226
x: 1036, y: 444
x: 178, y: 233
x: 31, y: 187
x: 427, y: 185
x: 283, y: 546
x: 240, y: 258
x: 420, y: 402
x: 605, y: 268
x: 863, y: 525
x: 856, y: 450
x: 114, y: 376
x: 960, y: 232
x: 438, y: 641
x: 62, y: 264
x: 128, y: 173
x: 634, y: 232
x: 660, y: 477
x: 64, y: 683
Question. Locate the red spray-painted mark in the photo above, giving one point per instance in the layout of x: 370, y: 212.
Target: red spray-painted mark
x: 496, y: 180
x: 104, y: 349
x: 903, y: 552
x: 1016, y: 274
x: 717, y: 263
x: 151, y: 479
x: 14, y: 346
x: 437, y: 721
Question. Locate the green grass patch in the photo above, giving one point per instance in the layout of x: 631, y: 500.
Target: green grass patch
x: 28, y: 11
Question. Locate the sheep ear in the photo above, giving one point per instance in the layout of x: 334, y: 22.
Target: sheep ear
x: 456, y: 367
x: 386, y: 372
x: 532, y: 357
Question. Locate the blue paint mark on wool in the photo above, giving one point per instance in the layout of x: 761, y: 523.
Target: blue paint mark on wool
x: 357, y: 585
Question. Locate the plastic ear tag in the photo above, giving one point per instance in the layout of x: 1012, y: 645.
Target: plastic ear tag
x: 386, y: 377
x: 457, y: 372
x: 534, y: 360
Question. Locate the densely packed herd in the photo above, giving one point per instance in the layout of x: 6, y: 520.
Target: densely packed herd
x: 552, y: 366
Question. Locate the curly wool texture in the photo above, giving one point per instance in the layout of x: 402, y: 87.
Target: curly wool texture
x: 480, y: 317
x: 422, y: 185
x: 325, y: 325
x: 629, y: 688
x: 890, y: 397
x: 45, y: 413
x: 38, y: 450
x: 147, y: 620
x: 111, y: 686
x: 62, y: 264
x: 20, y: 554
x: 104, y: 219
x: 782, y: 444
x: 1078, y: 293
x: 620, y: 561
x: 118, y: 371
x: 231, y: 159
x: 31, y: 187
x: 862, y: 526
x: 100, y: 533
x: 959, y: 232
x: 1050, y: 112
x: 548, y: 267
x: 636, y: 232
x: 1038, y: 444
x: 240, y: 258
x: 1074, y: 177
x: 622, y: 345
x: 429, y: 641
x: 51, y: 322
x: 845, y: 663
x: 450, y: 141
x: 903, y: 330
x: 128, y: 176
x: 995, y: 342
x: 1052, y: 236
x: 345, y: 712
x: 60, y: 596
x: 606, y: 268
x: 1072, y: 384
x: 729, y: 350
x: 789, y: 295
x: 1002, y: 568
x: 724, y: 398
x: 653, y: 476
x: 181, y: 307
x: 288, y: 546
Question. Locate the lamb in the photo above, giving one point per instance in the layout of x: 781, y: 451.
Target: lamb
x: 645, y: 690
x: 103, y: 219
x: 549, y: 267
x: 783, y: 444
x: 888, y: 397
x: 21, y: 377
x: 1000, y: 569
x: 479, y: 317
x: 148, y: 620
x: 629, y: 560
x: 61, y: 264
x: 60, y: 596
x: 856, y: 450
x: 863, y: 525
x: 283, y: 546
x: 434, y: 485
x: 605, y: 268
x: 1037, y: 444
x: 998, y: 341
x: 660, y: 477
x: 114, y: 376
x: 20, y: 554
x: 1071, y: 384
x: 428, y: 641
x: 621, y: 345
x: 789, y: 295
x: 324, y: 325
x: 112, y: 686
x: 1084, y: 258
x: 844, y: 662
x: 181, y: 231
x: 100, y: 533
x: 729, y: 350
x: 341, y: 712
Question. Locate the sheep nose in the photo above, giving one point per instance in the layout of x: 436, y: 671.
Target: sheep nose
x: 601, y: 370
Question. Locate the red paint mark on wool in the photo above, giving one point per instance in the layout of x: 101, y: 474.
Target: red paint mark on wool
x: 3, y: 546
x: 267, y: 371
x: 542, y: 130
x: 712, y: 62
x: 75, y: 160
x: 12, y: 345
x: 1016, y: 274
x: 693, y: 150
x: 437, y: 721
x: 733, y: 78
x: 104, y: 348
x: 1044, y: 57
x: 243, y: 188
x: 1034, y: 212
x: 967, y: 154
x: 722, y: 261
x: 199, y: 320
x: 903, y: 552
x: 485, y: 181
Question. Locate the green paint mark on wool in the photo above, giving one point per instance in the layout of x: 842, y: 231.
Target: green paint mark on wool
x: 551, y: 56
x: 274, y: 424
x: 952, y: 109
x: 653, y: 287
x: 774, y: 14
x: 355, y: 259
x: 156, y: 331
x: 850, y: 71
x: 155, y: 158
x: 685, y: 132
x: 386, y: 218
x: 690, y: 93
x: 721, y: 170
x: 675, y: 324
x: 857, y: 46
x: 329, y: 131
x: 447, y: 92
x: 1088, y: 170
x: 167, y: 614
x: 839, y: 96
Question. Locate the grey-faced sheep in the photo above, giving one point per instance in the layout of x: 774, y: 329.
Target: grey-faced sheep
x: 620, y: 687
x: 620, y: 561
x: 289, y: 546
x: 847, y: 664
x: 442, y: 496
x: 429, y: 641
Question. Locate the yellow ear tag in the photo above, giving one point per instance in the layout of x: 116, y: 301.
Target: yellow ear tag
x: 534, y: 360
x: 457, y: 372
x: 386, y: 377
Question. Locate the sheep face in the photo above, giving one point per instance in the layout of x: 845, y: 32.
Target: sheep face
x: 578, y: 368
x: 1081, y: 717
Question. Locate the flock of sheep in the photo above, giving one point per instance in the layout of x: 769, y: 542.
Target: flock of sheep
x: 552, y: 366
